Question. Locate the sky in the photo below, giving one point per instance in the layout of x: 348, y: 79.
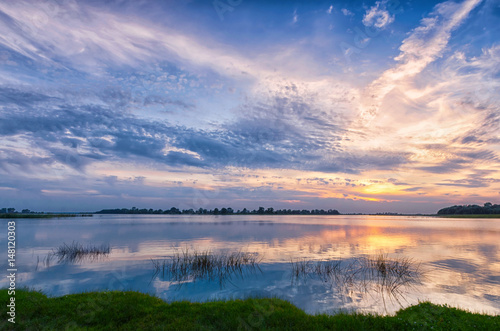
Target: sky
x: 359, y: 106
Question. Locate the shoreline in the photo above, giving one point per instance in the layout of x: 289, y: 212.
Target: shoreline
x: 20, y: 215
x: 57, y: 215
x: 470, y: 216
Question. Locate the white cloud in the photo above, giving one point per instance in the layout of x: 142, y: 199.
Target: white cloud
x: 295, y: 17
x: 378, y: 16
x: 329, y: 11
x: 347, y: 12
x: 424, y: 45
x: 441, y: 114
x: 92, y: 40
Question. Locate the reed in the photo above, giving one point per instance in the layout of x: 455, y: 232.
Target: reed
x: 76, y: 252
x: 186, y: 266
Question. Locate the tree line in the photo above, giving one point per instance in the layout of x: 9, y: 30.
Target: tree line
x: 13, y: 211
x: 222, y: 211
x: 488, y: 208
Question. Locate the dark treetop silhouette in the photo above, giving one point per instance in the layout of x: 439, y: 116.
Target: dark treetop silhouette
x: 222, y: 211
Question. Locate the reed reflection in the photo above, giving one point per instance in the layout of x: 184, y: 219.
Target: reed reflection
x: 354, y: 278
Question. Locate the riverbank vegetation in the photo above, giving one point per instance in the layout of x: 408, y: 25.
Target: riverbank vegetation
x: 137, y: 311
x: 471, y: 216
x: 487, y: 209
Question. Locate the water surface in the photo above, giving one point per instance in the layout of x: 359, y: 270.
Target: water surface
x: 460, y: 257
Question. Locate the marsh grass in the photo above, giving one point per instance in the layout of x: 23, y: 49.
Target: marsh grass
x: 186, y: 266
x: 75, y: 253
x: 391, y: 277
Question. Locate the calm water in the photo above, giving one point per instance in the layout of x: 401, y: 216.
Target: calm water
x: 460, y: 257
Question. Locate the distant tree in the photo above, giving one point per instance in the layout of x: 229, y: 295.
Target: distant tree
x: 488, y: 208
x: 230, y: 211
x: 174, y: 210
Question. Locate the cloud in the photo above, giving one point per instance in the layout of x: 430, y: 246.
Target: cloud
x: 347, y: 12
x: 103, y: 89
x: 458, y: 158
x: 295, y: 17
x: 427, y: 42
x: 88, y: 38
x: 413, y: 189
x: 93, y: 42
x: 18, y: 98
x: 394, y: 181
x: 446, y: 167
x: 164, y: 101
x: 12, y: 161
x: 377, y: 16
x: 358, y: 162
x: 284, y: 132
x: 476, y: 179
x: 424, y: 45
x: 471, y: 139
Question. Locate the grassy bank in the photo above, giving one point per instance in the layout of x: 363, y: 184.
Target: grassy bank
x: 471, y: 216
x: 135, y: 311
x: 20, y: 215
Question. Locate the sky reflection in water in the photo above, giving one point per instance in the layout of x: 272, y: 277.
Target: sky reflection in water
x: 460, y: 257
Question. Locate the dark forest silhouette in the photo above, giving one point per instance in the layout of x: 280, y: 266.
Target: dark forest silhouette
x: 222, y: 211
x: 488, y: 208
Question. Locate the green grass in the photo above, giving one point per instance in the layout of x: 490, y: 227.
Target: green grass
x: 471, y: 216
x: 20, y: 215
x: 135, y: 311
